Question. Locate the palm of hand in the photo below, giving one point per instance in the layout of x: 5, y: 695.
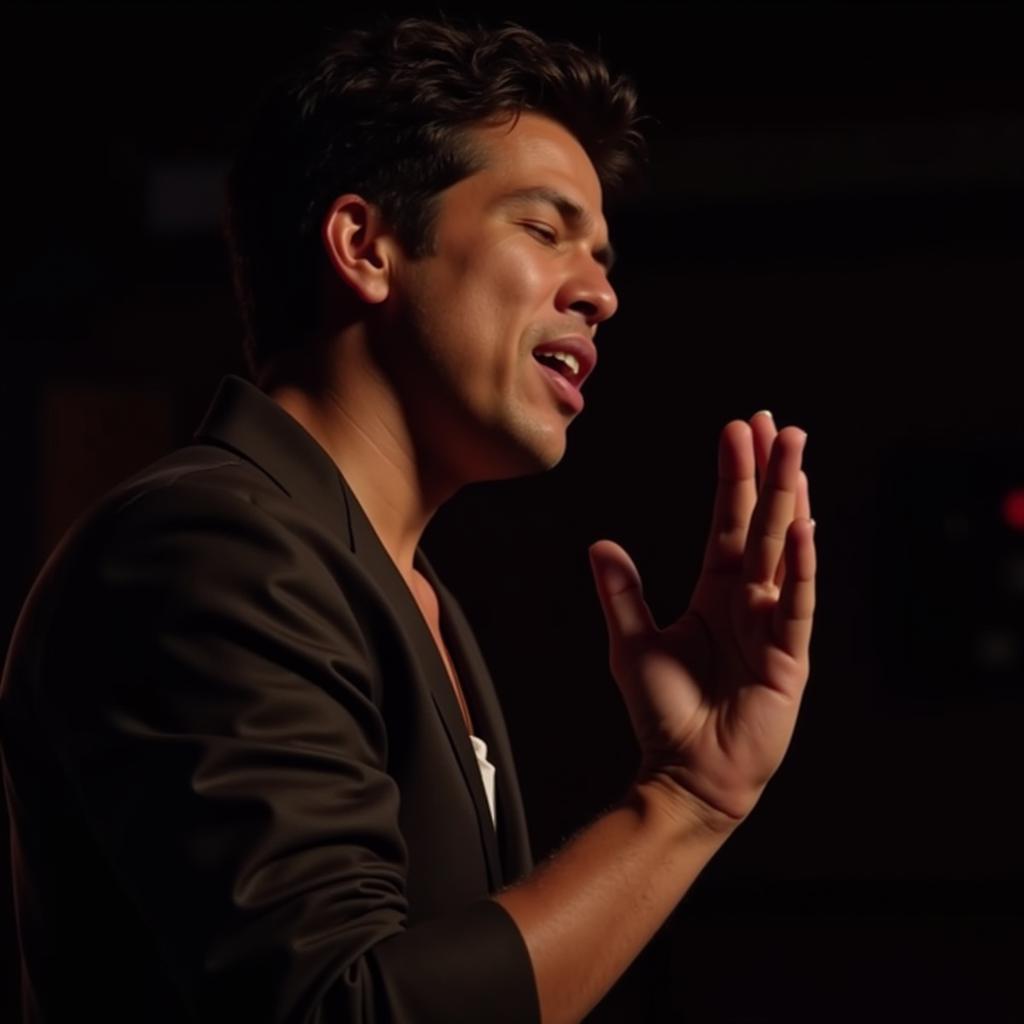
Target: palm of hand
x: 713, y: 697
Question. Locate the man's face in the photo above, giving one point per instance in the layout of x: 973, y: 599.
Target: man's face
x: 514, y: 267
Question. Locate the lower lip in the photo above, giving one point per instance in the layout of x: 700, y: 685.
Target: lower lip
x: 562, y: 388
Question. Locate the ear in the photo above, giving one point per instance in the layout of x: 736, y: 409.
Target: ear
x: 358, y: 246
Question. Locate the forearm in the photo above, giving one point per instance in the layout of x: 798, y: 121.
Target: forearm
x: 589, y: 910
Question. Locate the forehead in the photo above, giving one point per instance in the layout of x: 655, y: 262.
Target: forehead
x: 530, y: 157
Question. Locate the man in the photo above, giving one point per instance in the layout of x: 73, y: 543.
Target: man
x: 255, y: 765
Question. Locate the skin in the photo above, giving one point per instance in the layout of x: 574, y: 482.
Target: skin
x: 432, y: 386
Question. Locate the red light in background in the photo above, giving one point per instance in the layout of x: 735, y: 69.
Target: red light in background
x: 1013, y: 509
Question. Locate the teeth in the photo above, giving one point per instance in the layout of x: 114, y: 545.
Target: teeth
x: 570, y: 360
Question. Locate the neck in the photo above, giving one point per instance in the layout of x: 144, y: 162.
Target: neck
x: 348, y: 406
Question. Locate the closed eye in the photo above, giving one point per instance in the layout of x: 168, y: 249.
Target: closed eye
x: 542, y: 232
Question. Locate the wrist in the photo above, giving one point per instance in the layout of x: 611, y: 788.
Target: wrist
x: 664, y: 795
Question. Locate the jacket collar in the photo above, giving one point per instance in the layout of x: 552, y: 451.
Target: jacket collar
x: 246, y: 421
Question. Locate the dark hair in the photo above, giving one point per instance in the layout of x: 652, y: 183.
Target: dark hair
x: 382, y: 112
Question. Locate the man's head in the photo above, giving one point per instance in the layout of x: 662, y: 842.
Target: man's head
x: 396, y: 114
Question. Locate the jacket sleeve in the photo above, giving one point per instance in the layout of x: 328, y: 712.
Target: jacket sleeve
x: 214, y: 703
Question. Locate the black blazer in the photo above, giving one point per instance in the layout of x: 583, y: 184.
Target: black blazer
x: 239, y: 783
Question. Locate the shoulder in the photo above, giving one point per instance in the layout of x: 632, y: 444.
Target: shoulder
x: 200, y: 529
x: 197, y: 498
x: 200, y: 556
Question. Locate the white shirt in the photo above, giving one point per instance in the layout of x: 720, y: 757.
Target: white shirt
x: 486, y: 773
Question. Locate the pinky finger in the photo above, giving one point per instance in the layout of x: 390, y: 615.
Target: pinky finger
x: 794, y: 612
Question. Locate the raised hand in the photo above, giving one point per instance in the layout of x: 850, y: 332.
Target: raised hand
x: 713, y: 698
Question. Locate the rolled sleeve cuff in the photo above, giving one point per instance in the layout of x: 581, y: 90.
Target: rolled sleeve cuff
x: 464, y: 968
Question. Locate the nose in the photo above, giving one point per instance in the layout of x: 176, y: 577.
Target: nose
x: 589, y: 293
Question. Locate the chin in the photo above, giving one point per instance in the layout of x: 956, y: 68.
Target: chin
x: 517, y: 456
x: 540, y: 457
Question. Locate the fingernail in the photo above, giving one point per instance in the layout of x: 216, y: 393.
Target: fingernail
x: 764, y: 412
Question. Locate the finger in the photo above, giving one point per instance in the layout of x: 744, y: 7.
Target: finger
x: 620, y: 592
x: 802, y: 510
x: 775, y: 508
x: 735, y: 498
x: 762, y: 425
x: 803, y: 498
x: 794, y: 611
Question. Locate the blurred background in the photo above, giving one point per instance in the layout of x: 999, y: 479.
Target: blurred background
x: 832, y: 230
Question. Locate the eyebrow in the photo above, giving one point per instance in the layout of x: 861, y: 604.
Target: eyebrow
x: 572, y: 213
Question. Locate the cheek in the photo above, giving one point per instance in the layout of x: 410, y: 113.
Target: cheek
x: 477, y: 314
x: 506, y: 292
x: 521, y: 274
x: 502, y: 281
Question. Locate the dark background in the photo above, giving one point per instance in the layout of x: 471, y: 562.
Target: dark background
x: 833, y: 230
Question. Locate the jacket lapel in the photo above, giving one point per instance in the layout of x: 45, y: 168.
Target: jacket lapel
x: 489, y: 722
x: 243, y: 419
x: 372, y: 554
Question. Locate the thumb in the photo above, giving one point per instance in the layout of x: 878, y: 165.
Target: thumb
x: 620, y: 592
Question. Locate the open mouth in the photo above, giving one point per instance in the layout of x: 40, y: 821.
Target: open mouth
x: 561, y: 380
x: 566, y: 365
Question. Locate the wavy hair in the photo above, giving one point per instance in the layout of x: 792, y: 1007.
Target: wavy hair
x: 383, y: 112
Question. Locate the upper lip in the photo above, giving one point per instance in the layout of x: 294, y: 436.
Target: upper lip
x: 582, y: 348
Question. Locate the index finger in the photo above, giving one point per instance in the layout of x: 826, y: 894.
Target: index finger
x: 735, y: 497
